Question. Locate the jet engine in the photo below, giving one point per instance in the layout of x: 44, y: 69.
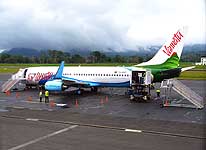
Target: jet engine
x: 54, y: 85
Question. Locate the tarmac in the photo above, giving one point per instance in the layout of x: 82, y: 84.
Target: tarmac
x: 106, y: 120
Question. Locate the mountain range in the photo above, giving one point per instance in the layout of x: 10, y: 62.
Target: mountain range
x: 142, y: 51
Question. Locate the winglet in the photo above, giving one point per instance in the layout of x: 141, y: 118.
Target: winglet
x: 59, y: 72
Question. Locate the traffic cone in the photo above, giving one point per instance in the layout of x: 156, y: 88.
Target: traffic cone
x: 166, y: 103
x: 17, y: 95
x: 8, y: 93
x: 29, y: 98
x: 76, y: 103
x: 101, y: 101
x: 106, y: 99
x: 52, y: 104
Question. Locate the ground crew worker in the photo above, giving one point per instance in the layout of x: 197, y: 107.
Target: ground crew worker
x: 40, y: 96
x: 152, y: 86
x: 46, y: 96
x: 158, y: 92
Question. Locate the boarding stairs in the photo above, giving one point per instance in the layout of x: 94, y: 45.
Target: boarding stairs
x: 15, y: 82
x: 184, y: 91
x: 8, y: 85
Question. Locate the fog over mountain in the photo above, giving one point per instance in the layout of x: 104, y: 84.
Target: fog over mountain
x: 143, y: 51
x: 97, y: 24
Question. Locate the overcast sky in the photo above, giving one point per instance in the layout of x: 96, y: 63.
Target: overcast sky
x: 98, y: 24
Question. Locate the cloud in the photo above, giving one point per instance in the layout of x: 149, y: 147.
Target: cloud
x: 97, y: 24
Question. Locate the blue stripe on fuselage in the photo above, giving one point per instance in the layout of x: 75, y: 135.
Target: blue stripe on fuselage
x: 98, y: 84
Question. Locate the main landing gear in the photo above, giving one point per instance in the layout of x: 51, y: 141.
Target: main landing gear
x: 94, y: 89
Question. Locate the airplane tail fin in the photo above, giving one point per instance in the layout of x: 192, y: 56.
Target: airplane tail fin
x: 169, y: 54
x: 59, y: 72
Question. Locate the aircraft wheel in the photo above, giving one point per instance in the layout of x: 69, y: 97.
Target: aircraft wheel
x: 94, y: 89
x: 79, y: 92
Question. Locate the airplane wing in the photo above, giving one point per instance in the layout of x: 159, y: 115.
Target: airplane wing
x: 71, y: 81
x: 75, y: 82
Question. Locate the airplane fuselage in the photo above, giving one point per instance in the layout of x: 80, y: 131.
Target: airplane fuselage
x: 95, y: 76
x: 98, y: 76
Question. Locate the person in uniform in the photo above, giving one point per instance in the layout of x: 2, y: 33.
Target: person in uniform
x: 46, y: 96
x: 40, y: 96
x: 158, y: 92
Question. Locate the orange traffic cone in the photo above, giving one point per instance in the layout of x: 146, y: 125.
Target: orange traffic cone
x: 106, y: 99
x: 17, y: 95
x: 166, y: 103
x: 101, y: 101
x: 8, y: 93
x: 29, y: 98
x: 76, y: 103
x: 52, y: 104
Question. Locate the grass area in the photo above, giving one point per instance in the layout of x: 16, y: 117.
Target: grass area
x: 26, y: 65
x: 182, y: 64
x: 12, y: 68
x: 193, y: 75
x: 90, y: 64
x: 199, y: 73
x: 187, y: 64
x: 5, y: 69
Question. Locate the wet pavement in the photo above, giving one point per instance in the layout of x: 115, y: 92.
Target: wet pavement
x: 107, y: 101
x: 109, y: 109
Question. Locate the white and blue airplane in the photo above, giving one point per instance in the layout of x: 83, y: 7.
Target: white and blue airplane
x: 91, y: 77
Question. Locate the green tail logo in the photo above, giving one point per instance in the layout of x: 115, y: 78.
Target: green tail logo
x: 170, y: 63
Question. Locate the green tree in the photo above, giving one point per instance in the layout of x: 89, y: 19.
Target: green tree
x: 77, y: 59
x: 135, y: 59
x: 4, y: 57
x: 119, y: 59
x: 97, y: 57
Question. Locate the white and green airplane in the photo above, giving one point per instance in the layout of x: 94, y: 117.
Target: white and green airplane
x: 164, y: 65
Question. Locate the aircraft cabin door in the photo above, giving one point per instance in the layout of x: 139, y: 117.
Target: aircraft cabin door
x: 25, y: 73
x: 135, y: 77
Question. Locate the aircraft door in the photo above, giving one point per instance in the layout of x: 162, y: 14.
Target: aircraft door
x: 138, y: 77
x: 135, y: 77
x: 25, y: 73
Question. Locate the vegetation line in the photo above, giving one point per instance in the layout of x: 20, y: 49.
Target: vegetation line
x: 199, y: 73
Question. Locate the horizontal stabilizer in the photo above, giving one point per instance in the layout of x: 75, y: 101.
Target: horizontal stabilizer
x: 187, y: 68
